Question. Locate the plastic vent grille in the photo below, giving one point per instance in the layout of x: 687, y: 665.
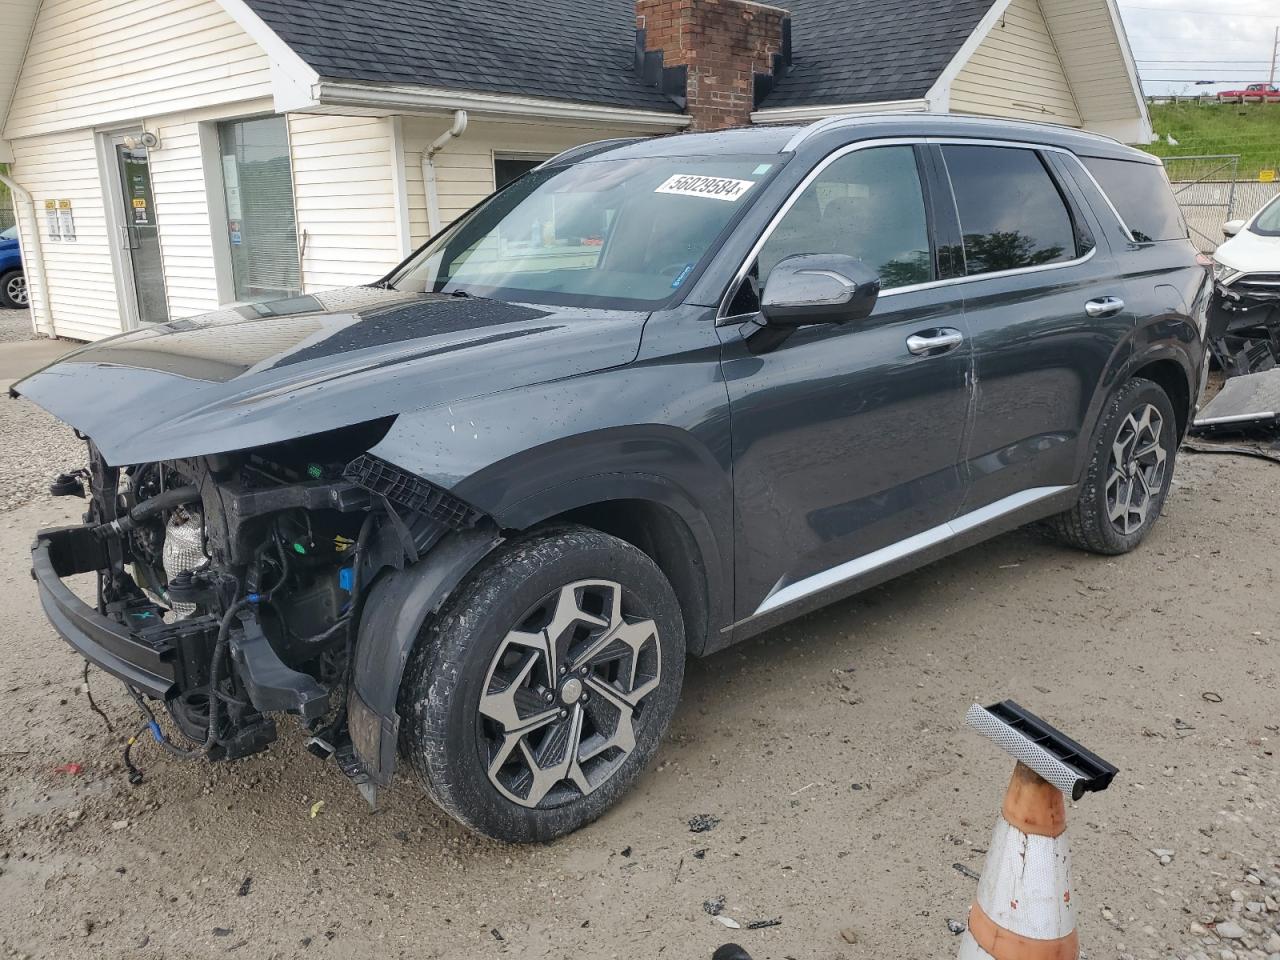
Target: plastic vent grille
x: 410, y: 492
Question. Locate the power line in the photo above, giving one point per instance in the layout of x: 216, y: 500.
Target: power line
x: 1200, y: 13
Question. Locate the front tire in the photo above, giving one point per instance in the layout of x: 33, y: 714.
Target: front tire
x: 544, y: 685
x: 1129, y: 474
x: 13, y: 290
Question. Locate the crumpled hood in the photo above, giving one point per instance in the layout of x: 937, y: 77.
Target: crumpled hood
x: 249, y: 376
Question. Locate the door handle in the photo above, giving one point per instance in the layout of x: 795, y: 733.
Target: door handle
x: 1104, y: 307
x: 932, y: 342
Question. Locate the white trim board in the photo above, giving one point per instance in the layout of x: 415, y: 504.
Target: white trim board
x: 822, y: 111
x: 432, y: 101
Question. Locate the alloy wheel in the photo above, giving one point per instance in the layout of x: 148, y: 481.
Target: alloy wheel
x: 16, y: 289
x: 1136, y: 474
x: 564, y: 693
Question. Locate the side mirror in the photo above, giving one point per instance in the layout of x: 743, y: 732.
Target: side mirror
x: 819, y: 288
x: 1232, y: 227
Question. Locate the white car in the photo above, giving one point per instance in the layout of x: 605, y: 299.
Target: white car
x: 1245, y: 321
x: 1249, y: 260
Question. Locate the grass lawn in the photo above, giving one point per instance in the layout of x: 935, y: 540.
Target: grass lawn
x: 1250, y: 130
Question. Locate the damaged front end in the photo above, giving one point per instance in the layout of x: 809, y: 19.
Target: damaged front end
x: 232, y: 587
x: 1244, y: 327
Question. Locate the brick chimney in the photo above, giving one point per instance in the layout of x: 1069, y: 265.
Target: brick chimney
x: 727, y: 52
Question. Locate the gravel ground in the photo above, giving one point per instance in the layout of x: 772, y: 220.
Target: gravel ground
x: 831, y: 751
x: 35, y: 448
x: 15, y: 325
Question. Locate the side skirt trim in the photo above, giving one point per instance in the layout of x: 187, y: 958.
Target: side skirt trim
x: 781, y: 596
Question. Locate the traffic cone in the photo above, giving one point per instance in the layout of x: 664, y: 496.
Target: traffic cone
x: 1024, y: 908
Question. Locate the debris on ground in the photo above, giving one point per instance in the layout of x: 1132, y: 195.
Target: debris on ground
x: 971, y: 874
x: 245, y: 884
x: 316, y: 808
x: 729, y: 922
x: 956, y: 926
x: 849, y: 935
x: 761, y: 924
x: 714, y: 906
x: 703, y: 822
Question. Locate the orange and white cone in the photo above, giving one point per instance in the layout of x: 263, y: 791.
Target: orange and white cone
x: 1023, y: 910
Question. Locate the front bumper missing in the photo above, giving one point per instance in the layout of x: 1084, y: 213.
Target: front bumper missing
x: 146, y: 664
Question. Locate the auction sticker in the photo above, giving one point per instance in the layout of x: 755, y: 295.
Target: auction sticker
x: 717, y: 188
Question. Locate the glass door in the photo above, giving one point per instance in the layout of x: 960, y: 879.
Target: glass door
x: 139, y: 233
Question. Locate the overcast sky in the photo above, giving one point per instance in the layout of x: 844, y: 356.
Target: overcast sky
x: 1178, y: 42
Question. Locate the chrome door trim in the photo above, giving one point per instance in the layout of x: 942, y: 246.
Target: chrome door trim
x: 781, y: 596
x: 725, y: 318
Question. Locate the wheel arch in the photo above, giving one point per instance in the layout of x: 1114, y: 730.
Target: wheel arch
x: 654, y: 515
x: 1175, y: 380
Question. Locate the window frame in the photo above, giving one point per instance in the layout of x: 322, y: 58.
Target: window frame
x: 1081, y: 231
x: 523, y: 156
x: 210, y: 145
x: 932, y: 175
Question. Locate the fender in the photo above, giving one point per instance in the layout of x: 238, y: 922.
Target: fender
x: 398, y: 604
x: 709, y: 557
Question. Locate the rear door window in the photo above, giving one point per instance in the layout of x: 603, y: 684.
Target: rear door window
x: 1012, y: 213
x: 1141, y: 195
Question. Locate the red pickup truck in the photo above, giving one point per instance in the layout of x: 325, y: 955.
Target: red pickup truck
x: 1253, y: 93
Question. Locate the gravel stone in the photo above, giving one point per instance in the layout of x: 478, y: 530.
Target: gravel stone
x: 1230, y: 930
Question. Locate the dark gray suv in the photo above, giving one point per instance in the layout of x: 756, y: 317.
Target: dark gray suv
x: 651, y: 398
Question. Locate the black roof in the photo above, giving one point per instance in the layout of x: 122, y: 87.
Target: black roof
x: 577, y: 50
x: 867, y: 51
x: 844, y: 51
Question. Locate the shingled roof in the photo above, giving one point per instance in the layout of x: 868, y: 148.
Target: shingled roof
x: 577, y: 50
x: 868, y: 51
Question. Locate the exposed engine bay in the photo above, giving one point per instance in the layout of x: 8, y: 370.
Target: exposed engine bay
x: 1244, y: 324
x: 239, y: 580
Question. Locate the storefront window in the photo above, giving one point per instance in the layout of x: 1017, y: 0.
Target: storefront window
x: 261, y: 227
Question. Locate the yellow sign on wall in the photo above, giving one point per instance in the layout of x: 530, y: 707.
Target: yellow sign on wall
x: 1266, y: 176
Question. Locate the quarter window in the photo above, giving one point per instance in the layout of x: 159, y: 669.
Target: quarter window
x: 1141, y: 195
x: 1012, y: 213
x: 868, y: 204
x: 261, y: 228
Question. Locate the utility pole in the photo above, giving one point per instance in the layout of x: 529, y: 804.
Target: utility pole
x: 1275, y: 48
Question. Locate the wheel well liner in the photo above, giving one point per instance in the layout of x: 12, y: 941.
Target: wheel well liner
x: 1170, y: 377
x: 662, y: 534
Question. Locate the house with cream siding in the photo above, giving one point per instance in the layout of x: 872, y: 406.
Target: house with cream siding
x: 172, y: 157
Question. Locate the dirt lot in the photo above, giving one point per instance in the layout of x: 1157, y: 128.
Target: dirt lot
x: 832, y: 751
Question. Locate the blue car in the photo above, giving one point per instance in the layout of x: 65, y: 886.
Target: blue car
x: 13, y: 282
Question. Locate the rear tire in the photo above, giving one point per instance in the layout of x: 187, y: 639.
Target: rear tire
x: 13, y: 290
x: 544, y: 685
x: 1129, y: 473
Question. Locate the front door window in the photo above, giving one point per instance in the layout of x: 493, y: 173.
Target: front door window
x: 261, y: 227
x: 141, y: 233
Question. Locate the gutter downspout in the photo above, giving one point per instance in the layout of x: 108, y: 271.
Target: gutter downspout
x: 36, y: 259
x: 429, y: 183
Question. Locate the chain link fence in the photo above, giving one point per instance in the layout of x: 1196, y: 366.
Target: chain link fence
x: 1211, y: 191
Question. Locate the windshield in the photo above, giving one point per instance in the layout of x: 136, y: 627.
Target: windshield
x: 626, y: 234
x: 10, y: 234
x: 1268, y: 222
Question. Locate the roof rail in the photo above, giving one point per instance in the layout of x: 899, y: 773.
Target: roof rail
x: 584, y: 150
x: 830, y: 123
